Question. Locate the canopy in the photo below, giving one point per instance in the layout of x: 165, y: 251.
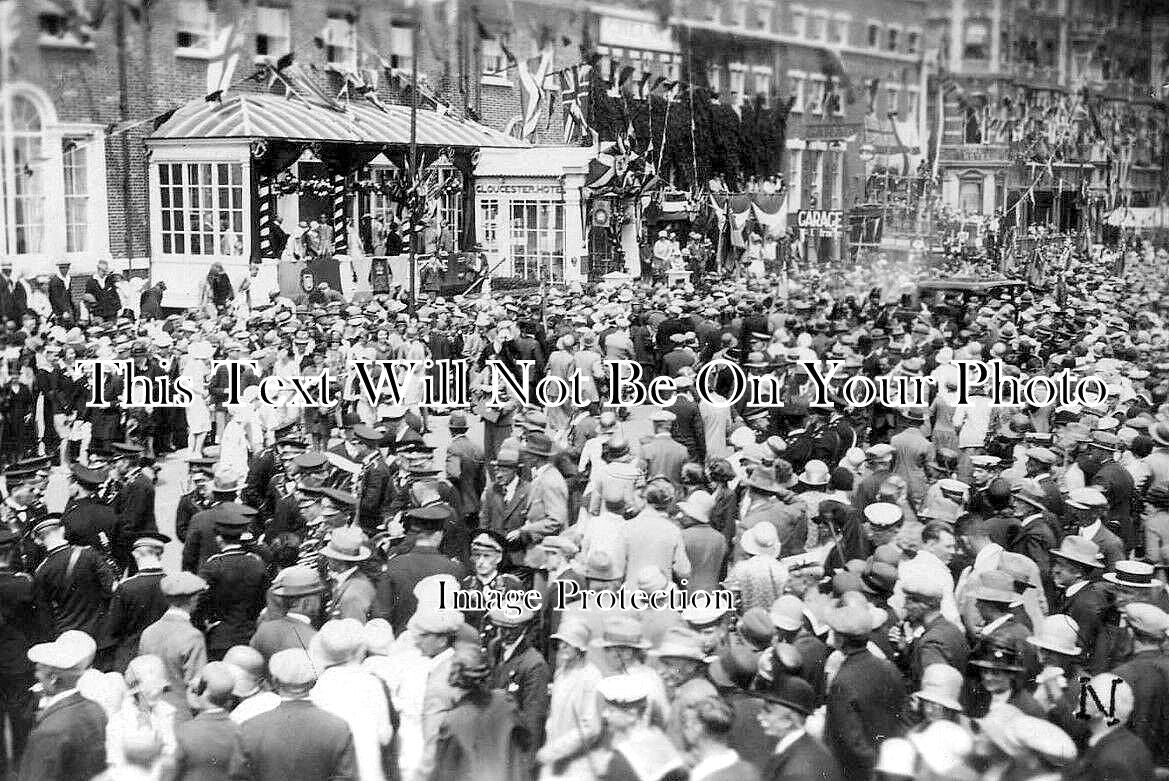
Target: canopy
x: 263, y: 116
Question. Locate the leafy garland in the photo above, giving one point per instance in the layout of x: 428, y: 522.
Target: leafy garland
x: 733, y: 146
x: 287, y: 183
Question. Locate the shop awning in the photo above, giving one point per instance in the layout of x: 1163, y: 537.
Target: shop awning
x: 260, y: 116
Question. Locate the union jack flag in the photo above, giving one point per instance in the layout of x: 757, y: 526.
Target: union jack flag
x: 574, y: 94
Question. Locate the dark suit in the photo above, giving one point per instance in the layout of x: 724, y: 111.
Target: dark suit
x: 86, y: 519
x: 687, y: 427
x: 942, y: 643
x: 203, y: 747
x: 236, y: 585
x: 150, y: 302
x: 1116, y: 483
x: 109, y: 303
x: 68, y: 742
x: 1118, y: 756
x: 200, y: 542
x: 395, y: 589
x: 464, y: 469
x: 1085, y: 608
x: 531, y: 677
x: 376, y: 480
x: 134, y: 504
x: 137, y: 603
x: 295, y: 740
x: 804, y: 759
x: 1147, y: 673
x: 77, y: 596
x: 13, y: 299
x: 60, y: 298
x: 865, y: 706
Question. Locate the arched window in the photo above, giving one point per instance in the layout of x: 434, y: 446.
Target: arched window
x: 24, y: 177
x: 50, y: 171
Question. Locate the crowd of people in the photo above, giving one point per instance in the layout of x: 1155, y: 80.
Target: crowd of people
x: 938, y: 591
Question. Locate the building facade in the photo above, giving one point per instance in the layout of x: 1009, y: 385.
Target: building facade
x: 1049, y: 111
x: 876, y: 88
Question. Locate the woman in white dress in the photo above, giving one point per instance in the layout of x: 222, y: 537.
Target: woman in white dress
x: 196, y: 368
x: 242, y: 435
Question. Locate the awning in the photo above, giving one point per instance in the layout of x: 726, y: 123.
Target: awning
x: 257, y: 116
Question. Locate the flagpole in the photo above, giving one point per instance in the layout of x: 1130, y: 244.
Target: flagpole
x: 414, y: 156
x: 8, y: 162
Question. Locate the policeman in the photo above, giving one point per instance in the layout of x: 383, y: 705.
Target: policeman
x: 198, y: 498
x: 22, y: 625
x: 137, y: 602
x: 134, y: 501
x: 86, y: 519
x: 395, y: 589
x: 486, y: 554
x: 236, y: 586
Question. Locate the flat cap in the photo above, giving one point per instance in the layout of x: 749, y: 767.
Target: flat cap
x: 921, y: 584
x: 292, y: 667
x: 435, y: 621
x: 1086, y: 498
x: 1146, y: 619
x: 71, y: 650
x: 182, y: 584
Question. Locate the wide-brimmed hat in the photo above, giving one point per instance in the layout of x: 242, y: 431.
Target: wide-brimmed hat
x: 226, y: 481
x: 1080, y: 550
x: 1159, y: 433
x: 347, y: 544
x: 996, y: 586
x: 1058, y: 633
x: 941, y: 684
x: 680, y: 642
x: 622, y: 632
x: 762, y: 478
x: 997, y: 657
x: 762, y: 539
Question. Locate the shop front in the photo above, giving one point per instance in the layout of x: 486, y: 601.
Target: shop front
x: 290, y: 193
x: 530, y: 213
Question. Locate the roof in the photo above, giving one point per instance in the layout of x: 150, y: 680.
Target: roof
x: 254, y: 116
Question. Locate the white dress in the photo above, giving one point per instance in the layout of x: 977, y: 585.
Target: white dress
x: 198, y: 413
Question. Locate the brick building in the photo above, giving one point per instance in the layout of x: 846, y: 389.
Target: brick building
x: 1050, y: 109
